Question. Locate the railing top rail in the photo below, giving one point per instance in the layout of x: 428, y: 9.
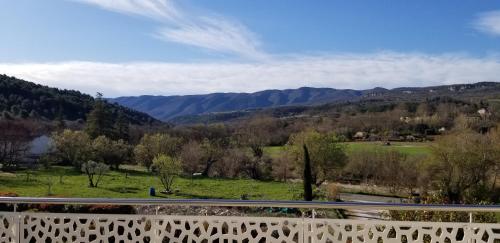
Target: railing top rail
x: 250, y: 203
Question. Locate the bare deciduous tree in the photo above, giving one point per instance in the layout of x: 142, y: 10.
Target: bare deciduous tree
x: 94, y: 171
x: 167, y: 168
x: 15, y: 137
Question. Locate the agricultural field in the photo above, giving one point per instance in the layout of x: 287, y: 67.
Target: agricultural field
x: 134, y: 183
x: 408, y: 148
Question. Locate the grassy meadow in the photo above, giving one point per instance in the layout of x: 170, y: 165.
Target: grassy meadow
x: 408, y: 148
x: 135, y: 183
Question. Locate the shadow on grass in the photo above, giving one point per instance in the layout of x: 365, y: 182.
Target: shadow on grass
x: 134, y: 172
x: 194, y: 196
x: 123, y: 189
x: 58, y: 170
x: 21, y: 183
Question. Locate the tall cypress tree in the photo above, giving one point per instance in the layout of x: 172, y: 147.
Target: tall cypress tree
x: 99, y: 121
x: 60, y: 124
x: 122, y: 127
x: 308, y: 195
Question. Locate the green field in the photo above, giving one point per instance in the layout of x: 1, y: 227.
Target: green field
x: 403, y: 147
x: 136, y: 184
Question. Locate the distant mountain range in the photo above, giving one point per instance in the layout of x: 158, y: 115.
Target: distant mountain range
x: 173, y: 108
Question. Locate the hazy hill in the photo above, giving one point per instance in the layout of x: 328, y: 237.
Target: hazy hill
x: 231, y: 105
x: 168, y: 107
x: 23, y: 99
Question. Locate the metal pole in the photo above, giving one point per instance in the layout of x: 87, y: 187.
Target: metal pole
x: 471, y: 230
x: 252, y: 203
x: 314, y: 222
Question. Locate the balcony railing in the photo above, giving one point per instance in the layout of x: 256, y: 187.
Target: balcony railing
x: 67, y: 227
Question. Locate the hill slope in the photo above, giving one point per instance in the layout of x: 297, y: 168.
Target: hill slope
x: 176, y: 108
x: 168, y: 107
x: 19, y: 98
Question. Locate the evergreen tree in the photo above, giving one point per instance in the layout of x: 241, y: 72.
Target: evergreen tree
x: 307, y: 176
x: 60, y: 119
x: 99, y: 120
x: 122, y: 127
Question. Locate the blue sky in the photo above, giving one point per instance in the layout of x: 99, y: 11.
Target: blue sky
x: 133, y: 47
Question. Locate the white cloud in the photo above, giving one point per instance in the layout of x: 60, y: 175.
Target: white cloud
x: 357, y: 71
x: 488, y: 22
x: 218, y: 35
x: 161, y: 10
x: 203, y: 30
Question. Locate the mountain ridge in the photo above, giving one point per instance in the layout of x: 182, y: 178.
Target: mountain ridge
x: 168, y: 107
x: 171, y: 107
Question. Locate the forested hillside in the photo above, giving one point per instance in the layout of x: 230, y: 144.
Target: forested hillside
x: 225, y: 106
x: 22, y: 99
x: 168, y: 107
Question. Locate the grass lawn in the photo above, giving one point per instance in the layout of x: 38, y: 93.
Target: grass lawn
x: 408, y: 148
x: 417, y: 148
x: 136, y: 184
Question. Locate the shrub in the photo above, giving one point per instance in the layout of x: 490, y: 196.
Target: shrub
x: 94, y: 172
x: 167, y: 168
x: 332, y: 192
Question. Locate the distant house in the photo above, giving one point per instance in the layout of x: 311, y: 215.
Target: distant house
x: 359, y: 135
x: 405, y: 119
x: 40, y: 145
x: 37, y: 147
x: 483, y: 112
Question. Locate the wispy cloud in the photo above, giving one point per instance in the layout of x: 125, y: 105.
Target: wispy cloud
x: 206, y: 30
x: 359, y: 71
x: 218, y: 35
x: 161, y: 10
x: 488, y: 22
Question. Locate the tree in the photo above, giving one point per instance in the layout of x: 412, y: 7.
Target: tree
x: 233, y: 164
x: 212, y: 152
x: 260, y: 131
x: 122, y: 127
x: 72, y: 147
x: 99, y: 120
x: 326, y: 151
x: 15, y: 137
x: 282, y: 167
x: 94, y: 171
x: 307, y: 176
x: 152, y: 145
x: 465, y: 166
x: 167, y: 168
x: 386, y: 167
x: 257, y: 168
x: 112, y: 153
x: 60, y: 124
x: 191, y: 156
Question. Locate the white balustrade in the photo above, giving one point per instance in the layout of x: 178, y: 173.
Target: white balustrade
x: 55, y: 227
x: 16, y: 227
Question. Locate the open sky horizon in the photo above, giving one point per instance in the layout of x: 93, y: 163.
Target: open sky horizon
x: 181, y: 47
